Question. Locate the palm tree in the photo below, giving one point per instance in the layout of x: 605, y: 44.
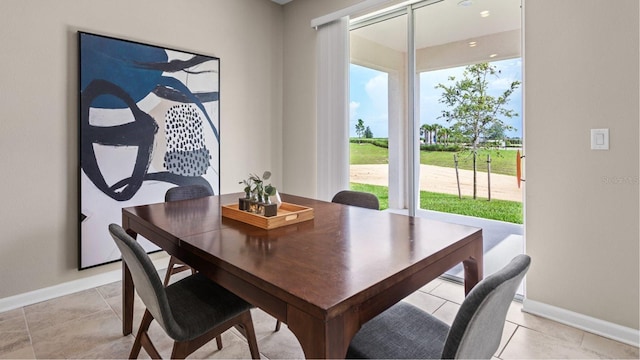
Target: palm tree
x: 444, y: 134
x: 435, y: 128
x: 425, y: 130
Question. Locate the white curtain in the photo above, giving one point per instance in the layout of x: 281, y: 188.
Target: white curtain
x: 332, y: 108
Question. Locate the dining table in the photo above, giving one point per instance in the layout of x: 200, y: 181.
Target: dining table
x: 323, y: 277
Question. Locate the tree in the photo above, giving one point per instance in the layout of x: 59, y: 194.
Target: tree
x: 368, y: 134
x: 495, y: 132
x: 435, y: 128
x: 425, y: 132
x: 360, y: 129
x: 444, y: 134
x: 472, y: 110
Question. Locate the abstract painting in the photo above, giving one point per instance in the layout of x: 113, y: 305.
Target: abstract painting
x: 149, y: 120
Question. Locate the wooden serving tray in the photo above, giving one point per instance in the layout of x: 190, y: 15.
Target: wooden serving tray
x: 287, y: 214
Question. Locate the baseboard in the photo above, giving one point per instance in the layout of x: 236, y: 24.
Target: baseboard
x: 36, y: 296
x: 583, y: 322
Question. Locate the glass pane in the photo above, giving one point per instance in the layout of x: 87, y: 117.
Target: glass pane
x: 378, y: 109
x: 478, y: 45
x: 473, y: 33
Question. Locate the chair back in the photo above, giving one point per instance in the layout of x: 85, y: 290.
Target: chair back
x: 357, y: 198
x: 145, y: 279
x: 187, y: 192
x: 477, y: 328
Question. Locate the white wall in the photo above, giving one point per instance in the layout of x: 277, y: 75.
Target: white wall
x: 581, y: 72
x: 39, y: 122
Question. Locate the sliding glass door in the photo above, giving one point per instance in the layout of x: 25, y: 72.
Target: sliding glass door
x: 403, y: 60
x: 419, y: 75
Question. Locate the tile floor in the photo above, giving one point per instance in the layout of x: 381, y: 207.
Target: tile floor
x: 87, y: 325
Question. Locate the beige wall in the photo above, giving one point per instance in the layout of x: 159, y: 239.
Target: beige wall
x: 581, y: 72
x: 39, y: 124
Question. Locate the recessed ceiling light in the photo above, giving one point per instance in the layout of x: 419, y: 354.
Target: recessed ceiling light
x: 484, y: 13
x: 465, y: 3
x: 472, y: 43
x: 493, y: 55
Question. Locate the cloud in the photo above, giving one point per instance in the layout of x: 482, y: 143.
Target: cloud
x: 377, y: 89
x: 353, y: 109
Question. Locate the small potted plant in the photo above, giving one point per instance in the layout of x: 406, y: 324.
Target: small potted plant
x: 243, y: 203
x: 257, y: 195
x: 258, y: 182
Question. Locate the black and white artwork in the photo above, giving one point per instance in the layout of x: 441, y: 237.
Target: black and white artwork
x: 149, y: 120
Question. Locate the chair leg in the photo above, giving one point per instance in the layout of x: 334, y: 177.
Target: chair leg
x: 219, y: 342
x: 175, y: 266
x: 142, y: 339
x: 277, y: 325
x: 167, y: 276
x: 149, y: 348
x: 250, y: 334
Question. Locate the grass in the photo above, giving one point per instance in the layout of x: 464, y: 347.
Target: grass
x: 502, y: 210
x: 502, y: 161
x: 382, y: 192
x: 368, y: 154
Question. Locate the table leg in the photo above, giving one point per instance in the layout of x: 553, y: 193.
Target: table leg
x: 127, y: 300
x: 473, y: 268
x: 323, y: 339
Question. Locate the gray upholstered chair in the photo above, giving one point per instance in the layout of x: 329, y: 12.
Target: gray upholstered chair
x: 192, y: 311
x: 404, y: 331
x: 357, y: 198
x: 176, y: 194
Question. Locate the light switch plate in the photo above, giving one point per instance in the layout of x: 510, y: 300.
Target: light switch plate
x: 599, y: 139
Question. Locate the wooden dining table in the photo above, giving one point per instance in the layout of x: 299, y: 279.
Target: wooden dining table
x: 323, y: 277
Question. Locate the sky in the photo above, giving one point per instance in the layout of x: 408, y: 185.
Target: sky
x: 369, y: 96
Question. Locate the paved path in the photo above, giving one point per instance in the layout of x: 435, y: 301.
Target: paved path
x: 443, y: 180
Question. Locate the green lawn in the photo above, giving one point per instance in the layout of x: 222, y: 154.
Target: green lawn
x: 368, y: 154
x: 502, y: 161
x: 509, y: 211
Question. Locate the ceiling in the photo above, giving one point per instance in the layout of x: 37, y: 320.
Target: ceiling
x: 447, y: 22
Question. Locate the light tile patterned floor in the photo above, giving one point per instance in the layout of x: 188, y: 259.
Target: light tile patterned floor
x: 87, y: 325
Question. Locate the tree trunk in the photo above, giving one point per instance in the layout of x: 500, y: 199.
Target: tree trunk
x: 475, y: 171
x: 455, y: 161
x: 488, y: 177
